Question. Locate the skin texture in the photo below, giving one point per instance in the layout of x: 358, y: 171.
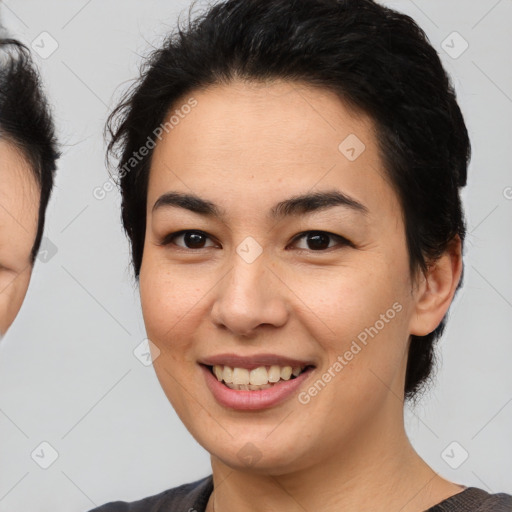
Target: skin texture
x: 245, y: 147
x: 19, y: 210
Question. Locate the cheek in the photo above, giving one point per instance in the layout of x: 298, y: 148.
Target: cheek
x: 170, y: 307
x: 173, y: 302
x: 363, y: 315
x: 349, y: 299
x: 14, y: 288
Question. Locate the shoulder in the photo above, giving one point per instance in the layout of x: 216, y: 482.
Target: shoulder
x: 473, y: 499
x: 191, y: 497
x: 499, y: 502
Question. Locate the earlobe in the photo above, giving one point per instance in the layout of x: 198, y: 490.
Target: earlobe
x: 437, y: 289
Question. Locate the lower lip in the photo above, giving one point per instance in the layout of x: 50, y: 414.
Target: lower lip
x: 253, y: 400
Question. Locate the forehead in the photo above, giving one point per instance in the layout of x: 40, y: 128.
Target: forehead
x: 247, y: 143
x: 16, y: 175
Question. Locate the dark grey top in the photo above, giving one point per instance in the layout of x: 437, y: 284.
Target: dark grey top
x: 194, y: 496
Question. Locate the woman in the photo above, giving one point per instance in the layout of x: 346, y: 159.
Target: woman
x: 28, y: 155
x: 290, y: 177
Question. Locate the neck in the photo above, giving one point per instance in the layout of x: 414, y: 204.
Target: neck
x: 376, y: 469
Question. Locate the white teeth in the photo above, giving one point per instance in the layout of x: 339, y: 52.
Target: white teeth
x: 286, y: 372
x: 240, y: 376
x: 274, y: 374
x: 227, y: 374
x: 258, y: 378
x: 217, y: 370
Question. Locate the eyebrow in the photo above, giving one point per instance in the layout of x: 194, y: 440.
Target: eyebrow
x: 296, y: 205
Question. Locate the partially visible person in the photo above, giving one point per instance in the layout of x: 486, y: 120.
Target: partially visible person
x: 28, y: 156
x: 282, y: 124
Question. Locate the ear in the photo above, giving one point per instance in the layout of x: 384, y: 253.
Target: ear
x: 435, y: 290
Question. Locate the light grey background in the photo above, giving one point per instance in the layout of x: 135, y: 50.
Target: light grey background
x: 68, y: 375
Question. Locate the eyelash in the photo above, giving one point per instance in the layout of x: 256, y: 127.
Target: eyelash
x: 168, y: 240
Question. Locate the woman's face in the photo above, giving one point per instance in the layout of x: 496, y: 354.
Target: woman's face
x: 19, y: 210
x: 254, y: 289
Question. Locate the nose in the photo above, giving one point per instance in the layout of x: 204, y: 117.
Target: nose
x: 250, y: 296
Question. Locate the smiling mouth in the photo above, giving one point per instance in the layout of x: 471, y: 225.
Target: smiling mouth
x: 263, y: 377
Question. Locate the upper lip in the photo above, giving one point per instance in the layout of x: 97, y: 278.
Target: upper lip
x: 254, y: 361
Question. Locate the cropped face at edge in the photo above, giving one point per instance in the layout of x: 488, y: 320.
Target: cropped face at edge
x: 326, y: 289
x: 19, y: 210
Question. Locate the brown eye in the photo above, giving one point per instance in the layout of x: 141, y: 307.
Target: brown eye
x: 191, y: 239
x: 320, y: 240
